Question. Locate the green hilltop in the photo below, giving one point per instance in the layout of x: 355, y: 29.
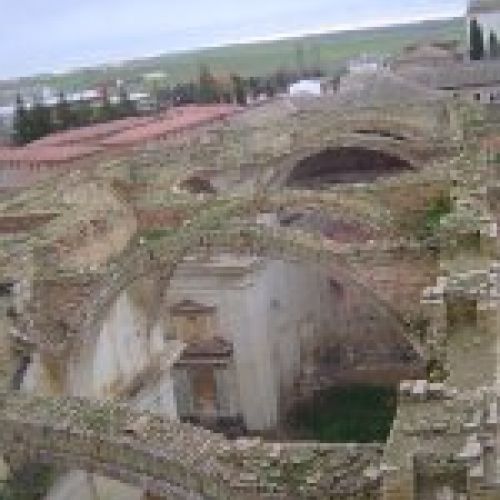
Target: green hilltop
x: 329, y: 50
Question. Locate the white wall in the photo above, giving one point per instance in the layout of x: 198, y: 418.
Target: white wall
x: 158, y: 397
x: 120, y: 351
x: 307, y: 87
x: 264, y: 314
x: 107, y: 362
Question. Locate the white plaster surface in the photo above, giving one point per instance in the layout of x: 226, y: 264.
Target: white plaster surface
x: 263, y: 308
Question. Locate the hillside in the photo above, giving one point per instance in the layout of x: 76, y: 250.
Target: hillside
x: 327, y: 50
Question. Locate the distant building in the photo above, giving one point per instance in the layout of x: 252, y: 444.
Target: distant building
x: 22, y: 167
x: 258, y: 99
x: 477, y: 81
x: 442, y: 66
x: 305, y: 87
x: 175, y: 124
x: 6, y: 117
x: 144, y: 102
x: 92, y: 96
x: 366, y: 64
x: 62, y: 151
x: 48, y: 94
x: 429, y: 54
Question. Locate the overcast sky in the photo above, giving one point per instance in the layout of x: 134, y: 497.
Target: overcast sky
x: 55, y: 35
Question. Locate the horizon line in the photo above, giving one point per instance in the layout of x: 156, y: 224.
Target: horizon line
x: 320, y: 30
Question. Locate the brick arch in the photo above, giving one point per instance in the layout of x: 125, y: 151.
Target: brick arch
x: 336, y: 259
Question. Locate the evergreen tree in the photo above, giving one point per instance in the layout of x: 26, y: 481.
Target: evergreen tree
x: 84, y: 114
x: 269, y: 88
x: 253, y: 85
x: 107, y: 111
x: 165, y: 96
x: 494, y: 49
x: 239, y: 90
x: 282, y: 79
x: 64, y: 115
x: 208, y: 91
x: 125, y: 106
x: 21, y: 126
x: 476, y: 41
x: 41, y: 121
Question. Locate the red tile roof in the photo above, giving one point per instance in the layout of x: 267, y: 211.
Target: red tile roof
x: 175, y: 120
x: 79, y: 143
x: 90, y: 133
x: 47, y: 154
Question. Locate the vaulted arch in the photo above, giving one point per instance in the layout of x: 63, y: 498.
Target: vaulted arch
x: 345, y: 164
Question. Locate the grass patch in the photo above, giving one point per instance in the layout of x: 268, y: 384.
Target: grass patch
x: 358, y: 413
x: 155, y: 234
x: 32, y: 482
x: 438, y: 208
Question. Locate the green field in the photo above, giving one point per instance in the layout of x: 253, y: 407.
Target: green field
x: 329, y: 51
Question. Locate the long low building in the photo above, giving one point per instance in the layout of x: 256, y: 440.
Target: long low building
x: 174, y: 124
x: 473, y: 81
x: 91, y: 134
x: 21, y: 167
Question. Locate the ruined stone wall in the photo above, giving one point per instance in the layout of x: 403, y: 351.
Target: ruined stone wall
x: 98, y: 244
x: 26, y: 174
x: 400, y: 279
x: 409, y: 203
x: 23, y: 222
x: 180, y: 461
x: 98, y: 227
x: 160, y: 218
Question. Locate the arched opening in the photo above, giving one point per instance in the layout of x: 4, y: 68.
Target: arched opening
x: 345, y: 165
x: 315, y: 341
